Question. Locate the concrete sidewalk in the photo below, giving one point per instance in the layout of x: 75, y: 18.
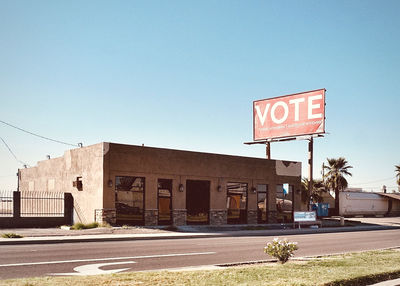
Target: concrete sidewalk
x: 57, y: 235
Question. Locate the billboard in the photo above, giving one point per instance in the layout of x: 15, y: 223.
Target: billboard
x: 289, y: 116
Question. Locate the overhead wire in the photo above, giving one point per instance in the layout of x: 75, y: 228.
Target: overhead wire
x: 12, y: 153
x: 376, y: 181
x: 40, y: 136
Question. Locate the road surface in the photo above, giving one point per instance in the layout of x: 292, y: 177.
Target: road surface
x: 91, y: 258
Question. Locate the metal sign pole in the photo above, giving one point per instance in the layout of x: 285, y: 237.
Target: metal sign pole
x: 310, y: 166
x: 268, y: 149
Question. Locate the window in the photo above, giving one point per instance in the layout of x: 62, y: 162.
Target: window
x: 284, y: 202
x: 129, y: 200
x: 236, y: 203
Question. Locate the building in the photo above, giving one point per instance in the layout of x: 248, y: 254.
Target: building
x: 137, y: 185
x: 355, y: 202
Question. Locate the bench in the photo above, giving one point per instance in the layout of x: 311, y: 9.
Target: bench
x: 306, y: 219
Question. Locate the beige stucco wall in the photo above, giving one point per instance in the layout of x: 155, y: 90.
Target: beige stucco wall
x: 156, y: 163
x: 57, y: 175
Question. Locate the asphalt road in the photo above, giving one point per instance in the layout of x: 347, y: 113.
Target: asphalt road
x: 107, y: 257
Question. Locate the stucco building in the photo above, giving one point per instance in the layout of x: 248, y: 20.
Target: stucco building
x: 137, y: 185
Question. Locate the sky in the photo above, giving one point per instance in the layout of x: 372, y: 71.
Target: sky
x: 184, y: 75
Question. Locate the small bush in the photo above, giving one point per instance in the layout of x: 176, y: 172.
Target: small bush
x: 11, y: 235
x: 79, y: 225
x: 281, y: 249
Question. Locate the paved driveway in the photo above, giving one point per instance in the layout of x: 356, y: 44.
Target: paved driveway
x: 387, y: 221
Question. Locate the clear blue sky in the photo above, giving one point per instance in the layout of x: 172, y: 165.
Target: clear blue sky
x: 184, y: 74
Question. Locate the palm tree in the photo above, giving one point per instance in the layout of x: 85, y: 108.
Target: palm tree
x: 397, y: 170
x: 316, y: 193
x: 334, y: 177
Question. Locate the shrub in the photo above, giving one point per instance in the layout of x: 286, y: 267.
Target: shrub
x: 80, y: 225
x: 11, y: 235
x: 281, y: 249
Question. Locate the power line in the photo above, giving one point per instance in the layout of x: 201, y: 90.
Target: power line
x: 40, y: 136
x: 377, y: 181
x: 12, y: 153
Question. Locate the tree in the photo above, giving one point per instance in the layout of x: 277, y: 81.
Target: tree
x: 335, y: 179
x: 316, y: 193
x: 397, y: 170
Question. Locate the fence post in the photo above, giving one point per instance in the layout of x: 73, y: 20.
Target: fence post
x: 16, y: 205
x: 68, y: 208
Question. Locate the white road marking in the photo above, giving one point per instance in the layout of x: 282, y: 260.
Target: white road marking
x: 94, y: 269
x: 105, y: 259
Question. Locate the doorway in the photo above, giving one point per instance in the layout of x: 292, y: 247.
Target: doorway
x: 164, y: 201
x: 197, y: 201
x: 262, y: 203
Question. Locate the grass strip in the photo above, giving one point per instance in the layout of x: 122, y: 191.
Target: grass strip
x: 347, y: 269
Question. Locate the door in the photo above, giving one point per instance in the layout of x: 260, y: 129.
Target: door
x: 262, y: 203
x: 197, y: 201
x: 164, y: 202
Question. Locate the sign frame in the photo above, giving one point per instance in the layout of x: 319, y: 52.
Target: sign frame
x: 294, y: 135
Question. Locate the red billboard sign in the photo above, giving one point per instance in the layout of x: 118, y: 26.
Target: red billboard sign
x: 290, y: 115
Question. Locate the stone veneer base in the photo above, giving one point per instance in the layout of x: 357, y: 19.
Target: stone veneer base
x: 151, y: 217
x: 179, y: 217
x: 218, y: 217
x: 106, y: 216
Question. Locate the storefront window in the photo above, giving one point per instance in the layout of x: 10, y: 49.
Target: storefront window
x: 237, y: 203
x: 129, y: 200
x: 284, y: 203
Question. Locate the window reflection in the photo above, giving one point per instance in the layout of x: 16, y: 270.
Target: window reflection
x: 284, y: 203
x: 129, y: 200
x: 237, y: 203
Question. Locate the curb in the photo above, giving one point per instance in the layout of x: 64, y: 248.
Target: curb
x: 132, y: 237
x: 95, y: 238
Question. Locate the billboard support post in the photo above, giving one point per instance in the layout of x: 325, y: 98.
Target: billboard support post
x: 268, y: 149
x: 310, y: 166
